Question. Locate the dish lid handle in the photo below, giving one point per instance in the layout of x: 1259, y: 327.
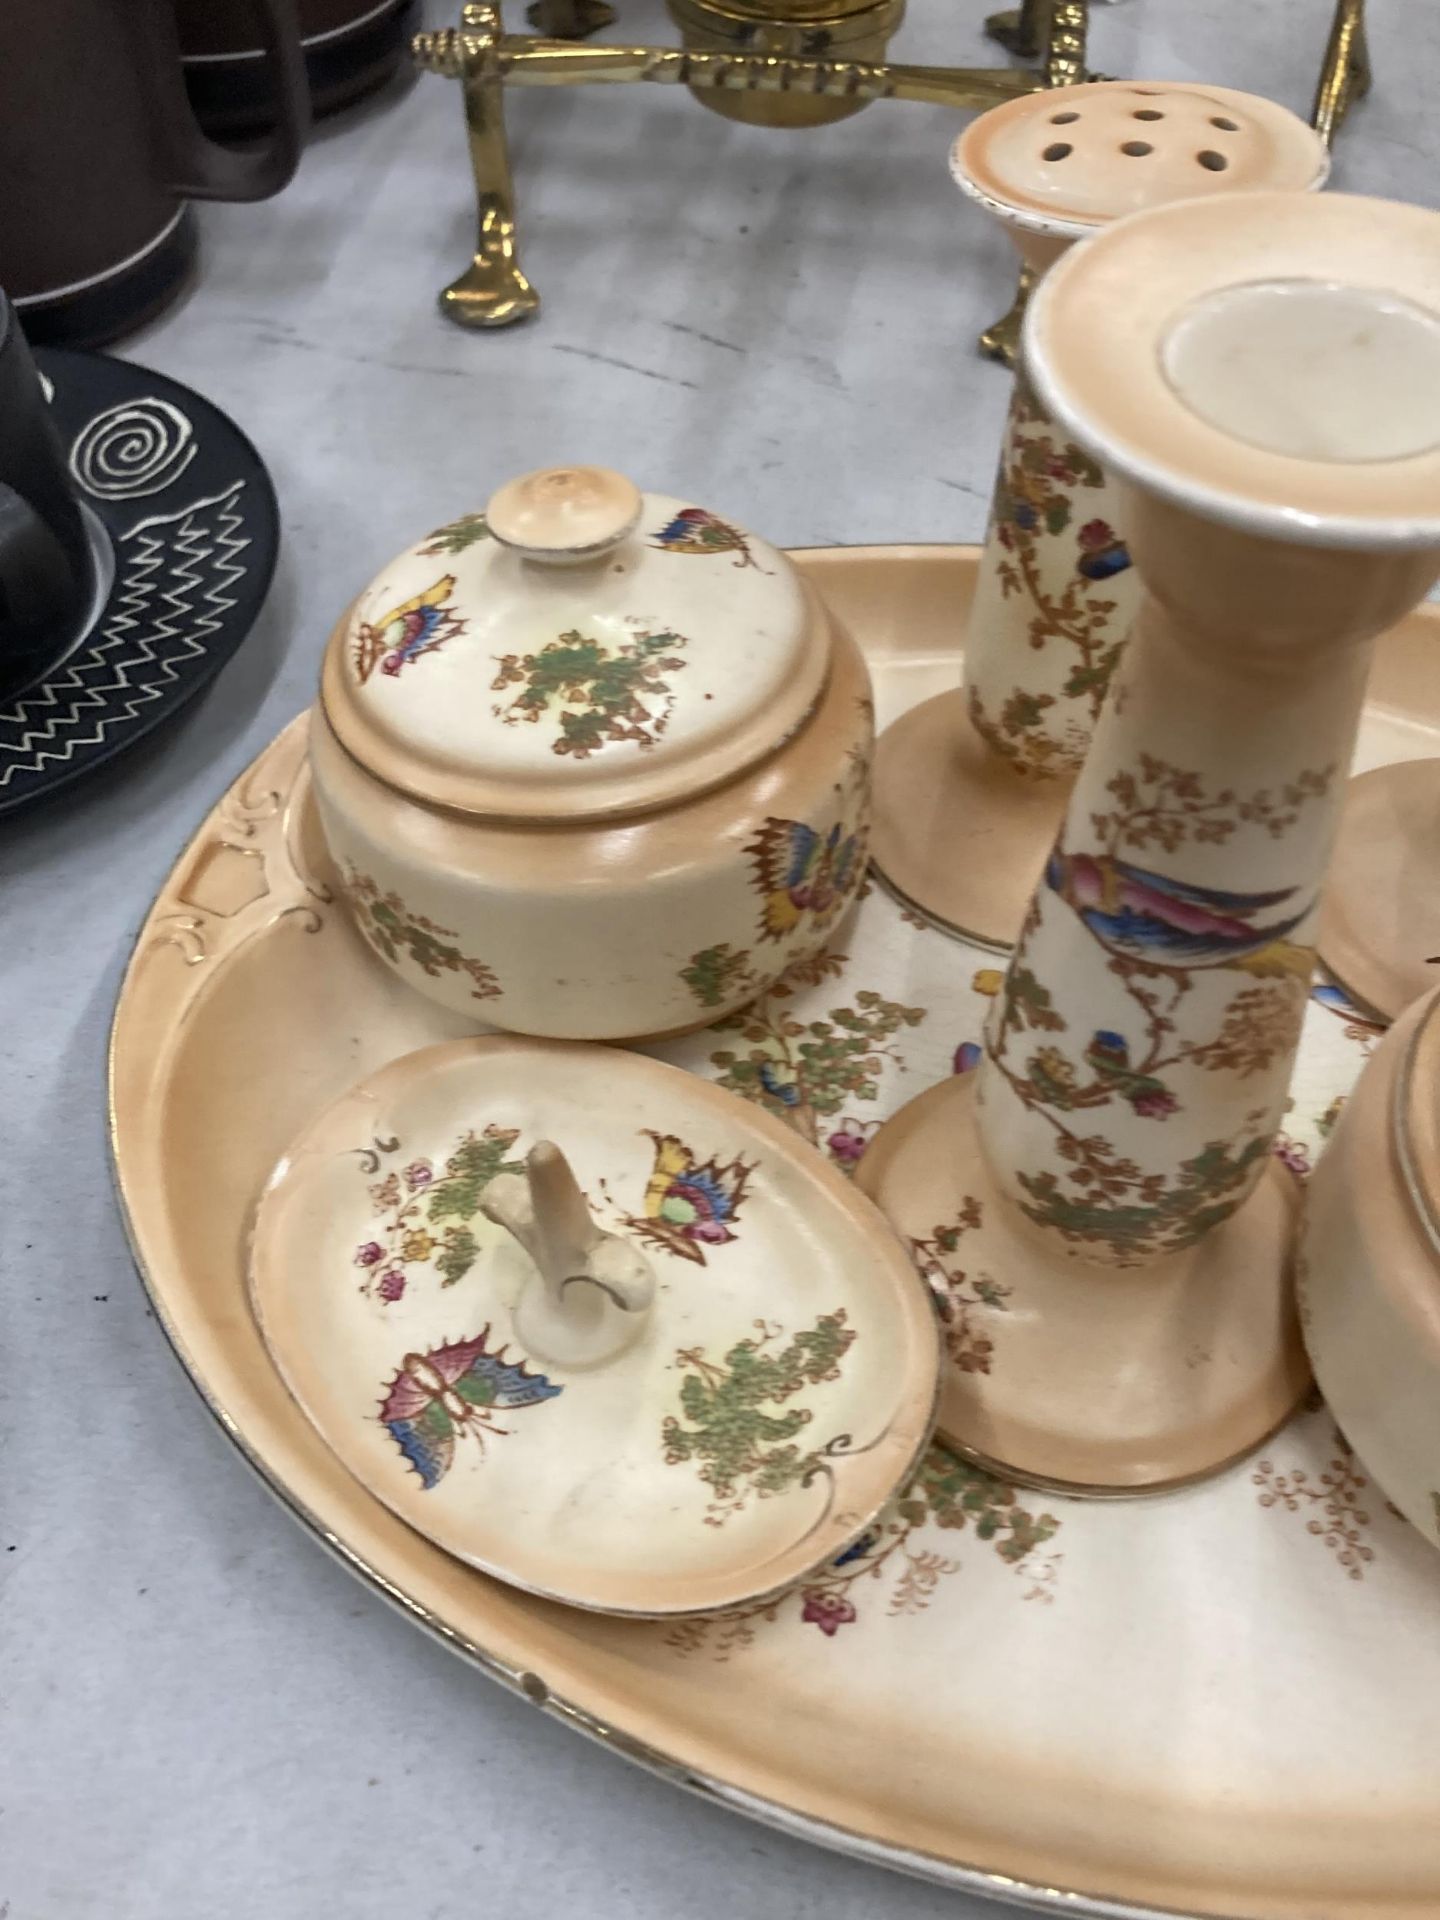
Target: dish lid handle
x: 564, y: 515
x: 593, y: 1290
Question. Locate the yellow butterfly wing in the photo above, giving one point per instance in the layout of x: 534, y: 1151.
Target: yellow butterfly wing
x: 672, y: 1158
x: 433, y: 596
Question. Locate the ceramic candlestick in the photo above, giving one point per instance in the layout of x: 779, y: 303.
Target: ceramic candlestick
x: 1380, y: 927
x: 970, y: 786
x: 1275, y: 423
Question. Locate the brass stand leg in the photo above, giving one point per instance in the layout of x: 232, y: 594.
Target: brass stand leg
x: 1065, y: 44
x: 1345, y: 72
x: 1001, y: 341
x: 570, y: 19
x: 1052, y: 29
x: 1065, y: 31
x: 492, y: 291
x: 1018, y: 29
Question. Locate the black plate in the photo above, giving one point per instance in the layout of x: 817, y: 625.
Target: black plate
x: 193, y: 532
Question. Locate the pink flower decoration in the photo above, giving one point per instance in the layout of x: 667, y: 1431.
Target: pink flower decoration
x: 846, y: 1146
x: 392, y: 1284
x: 1096, y: 533
x: 1293, y: 1154
x: 369, y: 1254
x: 828, y: 1611
x: 967, y: 1057
x: 712, y: 1232
x: 392, y: 663
x: 419, y: 1174
x: 1158, y: 1103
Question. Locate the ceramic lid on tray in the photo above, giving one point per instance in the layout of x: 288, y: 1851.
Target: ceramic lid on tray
x: 675, y: 1389
x: 1071, y: 159
x: 579, y: 650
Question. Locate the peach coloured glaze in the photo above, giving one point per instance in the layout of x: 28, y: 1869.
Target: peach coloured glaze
x: 593, y: 764
x: 1370, y: 1288
x: 1057, y: 591
x: 1139, y: 1056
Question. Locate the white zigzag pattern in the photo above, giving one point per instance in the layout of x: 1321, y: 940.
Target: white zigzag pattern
x: 183, y: 622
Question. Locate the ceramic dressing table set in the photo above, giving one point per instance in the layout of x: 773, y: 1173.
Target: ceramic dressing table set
x: 598, y: 766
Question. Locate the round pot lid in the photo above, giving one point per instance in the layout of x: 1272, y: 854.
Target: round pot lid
x: 673, y: 1382
x: 1067, y: 161
x: 580, y: 650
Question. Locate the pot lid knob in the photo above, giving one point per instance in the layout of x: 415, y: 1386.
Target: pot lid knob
x: 564, y: 515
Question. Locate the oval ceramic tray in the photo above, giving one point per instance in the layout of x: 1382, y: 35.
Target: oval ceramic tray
x: 1219, y: 1702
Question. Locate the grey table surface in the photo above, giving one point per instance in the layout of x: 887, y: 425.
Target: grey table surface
x: 200, y: 1714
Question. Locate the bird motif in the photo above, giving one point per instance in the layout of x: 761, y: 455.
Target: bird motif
x: 417, y: 626
x: 695, y: 531
x: 780, y: 1087
x: 452, y: 1390
x: 1102, y: 554
x: 690, y: 1204
x: 1167, y: 922
x: 1108, y: 1057
x: 801, y: 873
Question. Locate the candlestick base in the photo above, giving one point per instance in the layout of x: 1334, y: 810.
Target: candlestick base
x: 1380, y: 926
x: 1084, y: 1379
x: 958, y: 834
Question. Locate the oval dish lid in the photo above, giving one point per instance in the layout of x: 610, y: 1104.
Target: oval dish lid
x: 579, y: 650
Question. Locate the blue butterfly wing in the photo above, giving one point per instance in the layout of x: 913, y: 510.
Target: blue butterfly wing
x: 427, y: 1442
x: 801, y: 848
x: 492, y: 1381
x: 845, y: 862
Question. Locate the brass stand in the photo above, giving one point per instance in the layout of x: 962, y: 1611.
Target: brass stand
x: 748, y: 77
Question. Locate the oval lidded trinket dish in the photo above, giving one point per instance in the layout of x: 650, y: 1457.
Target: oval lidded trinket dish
x: 675, y: 1380
x: 593, y: 764
x: 1370, y: 1270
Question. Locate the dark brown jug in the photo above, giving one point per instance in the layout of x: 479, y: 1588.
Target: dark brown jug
x: 351, y: 47
x: 99, y: 151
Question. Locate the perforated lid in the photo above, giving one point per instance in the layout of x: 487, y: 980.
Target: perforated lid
x: 579, y: 650
x: 1066, y: 161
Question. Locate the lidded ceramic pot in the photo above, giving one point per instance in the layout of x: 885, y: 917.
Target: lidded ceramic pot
x: 970, y: 786
x: 593, y: 764
x: 1370, y: 1273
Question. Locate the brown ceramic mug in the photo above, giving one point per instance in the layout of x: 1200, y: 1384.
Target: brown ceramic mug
x: 99, y: 151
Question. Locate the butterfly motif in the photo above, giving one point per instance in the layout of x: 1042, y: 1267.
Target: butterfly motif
x: 693, y: 530
x: 450, y: 1390
x: 690, y: 1205
x: 800, y: 873
x: 417, y: 626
